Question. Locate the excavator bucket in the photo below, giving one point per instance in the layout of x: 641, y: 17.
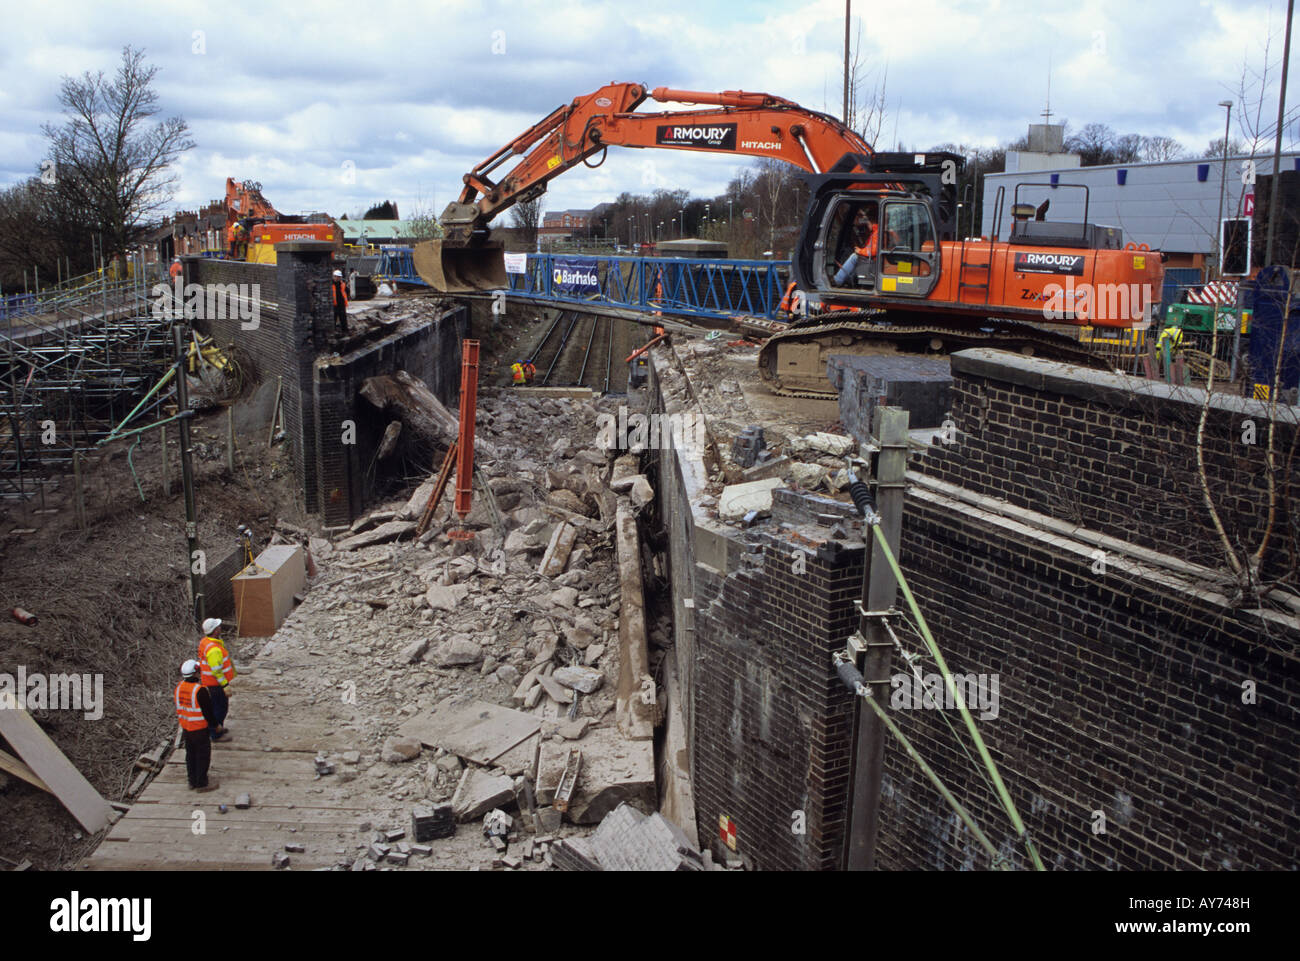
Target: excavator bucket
x: 454, y: 269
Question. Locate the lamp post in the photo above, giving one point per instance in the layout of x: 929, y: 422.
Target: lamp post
x: 1223, y: 183
x: 729, y: 200
x: 681, y: 233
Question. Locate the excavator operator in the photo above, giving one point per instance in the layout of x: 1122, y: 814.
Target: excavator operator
x: 866, y: 242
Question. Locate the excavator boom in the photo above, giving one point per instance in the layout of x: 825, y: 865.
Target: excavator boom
x: 734, y: 122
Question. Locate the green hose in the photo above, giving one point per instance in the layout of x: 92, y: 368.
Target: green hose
x: 980, y: 746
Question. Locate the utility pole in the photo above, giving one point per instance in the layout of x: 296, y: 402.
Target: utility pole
x: 1223, y: 181
x: 187, y: 478
x: 848, y: 4
x: 1277, y: 143
x: 873, y: 648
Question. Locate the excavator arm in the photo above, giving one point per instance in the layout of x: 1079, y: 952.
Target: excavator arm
x: 733, y: 122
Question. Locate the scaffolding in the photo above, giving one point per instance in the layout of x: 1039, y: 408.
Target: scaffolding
x: 71, y: 371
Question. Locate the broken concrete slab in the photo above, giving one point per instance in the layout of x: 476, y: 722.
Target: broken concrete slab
x: 737, y: 500
x: 585, y: 679
x: 413, y: 653
x: 475, y: 730
x: 446, y: 597
x: 836, y: 445
x: 772, y: 467
x: 558, y: 550
x: 630, y: 840
x: 807, y: 475
x: 399, y: 750
x: 614, y: 770
x: 573, y: 730
x: 641, y: 492
x: 479, y: 792
x: 626, y: 471
x: 556, y: 690
x: 457, y: 651
x: 635, y: 717
x: 382, y: 534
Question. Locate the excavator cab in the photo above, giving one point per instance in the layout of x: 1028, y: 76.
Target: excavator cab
x: 908, y: 207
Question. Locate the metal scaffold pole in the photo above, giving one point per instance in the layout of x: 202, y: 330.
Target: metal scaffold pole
x: 879, y: 592
x: 187, y: 479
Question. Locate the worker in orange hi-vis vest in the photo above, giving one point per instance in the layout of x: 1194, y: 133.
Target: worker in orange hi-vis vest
x: 175, y: 270
x: 529, y: 371
x: 517, y: 376
x: 340, y: 291
x: 193, y: 704
x: 217, y: 670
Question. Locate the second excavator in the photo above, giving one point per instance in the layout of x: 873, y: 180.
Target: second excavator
x: 878, y: 257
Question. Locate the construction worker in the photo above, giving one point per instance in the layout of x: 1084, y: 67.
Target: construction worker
x: 194, y: 710
x: 529, y: 371
x: 867, y: 231
x: 238, y: 240
x: 1173, y: 337
x: 518, y: 378
x: 175, y: 270
x: 340, y: 290
x: 217, y: 670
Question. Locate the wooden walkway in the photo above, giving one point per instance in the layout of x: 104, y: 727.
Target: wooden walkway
x: 276, y: 732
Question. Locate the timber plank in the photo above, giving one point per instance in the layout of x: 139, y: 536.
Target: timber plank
x: 52, y: 766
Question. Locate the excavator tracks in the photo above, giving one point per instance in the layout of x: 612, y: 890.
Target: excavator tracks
x: 792, y: 363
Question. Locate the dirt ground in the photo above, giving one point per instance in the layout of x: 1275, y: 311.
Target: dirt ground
x: 113, y: 599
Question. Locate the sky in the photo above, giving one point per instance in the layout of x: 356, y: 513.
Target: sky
x: 337, y: 106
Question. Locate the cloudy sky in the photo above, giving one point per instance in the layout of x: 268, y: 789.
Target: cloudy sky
x: 335, y: 106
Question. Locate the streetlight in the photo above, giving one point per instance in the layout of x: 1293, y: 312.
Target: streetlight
x: 729, y: 199
x: 660, y: 231
x: 1223, y: 182
x: 682, y: 232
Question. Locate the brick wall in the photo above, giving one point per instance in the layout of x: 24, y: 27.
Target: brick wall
x: 769, y: 727
x: 428, y: 350
x: 1120, y: 691
x: 1116, y: 694
x: 1087, y: 448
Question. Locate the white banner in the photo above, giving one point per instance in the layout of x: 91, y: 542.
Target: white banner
x: 516, y: 263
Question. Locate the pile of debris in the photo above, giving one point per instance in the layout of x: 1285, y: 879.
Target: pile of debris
x: 478, y: 675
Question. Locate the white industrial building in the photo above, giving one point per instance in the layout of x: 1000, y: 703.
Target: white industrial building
x: 1172, y: 206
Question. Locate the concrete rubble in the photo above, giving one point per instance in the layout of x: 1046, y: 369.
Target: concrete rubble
x: 630, y: 840
x: 450, y: 673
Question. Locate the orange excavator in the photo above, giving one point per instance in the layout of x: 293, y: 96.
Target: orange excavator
x: 915, y: 287
x: 254, y: 226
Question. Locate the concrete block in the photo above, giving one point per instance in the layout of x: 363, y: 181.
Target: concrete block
x: 479, y: 792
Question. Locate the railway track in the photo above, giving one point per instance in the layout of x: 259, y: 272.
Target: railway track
x: 585, y: 350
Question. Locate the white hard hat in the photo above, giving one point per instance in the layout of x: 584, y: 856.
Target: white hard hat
x: 211, y: 624
x: 338, y: 273
x: 189, y: 667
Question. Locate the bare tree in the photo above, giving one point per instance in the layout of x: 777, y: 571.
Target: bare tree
x: 109, y: 157
x: 867, y: 96
x: 525, y: 216
x: 1157, y: 148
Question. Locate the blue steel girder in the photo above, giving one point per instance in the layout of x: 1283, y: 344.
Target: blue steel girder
x: 718, y: 289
